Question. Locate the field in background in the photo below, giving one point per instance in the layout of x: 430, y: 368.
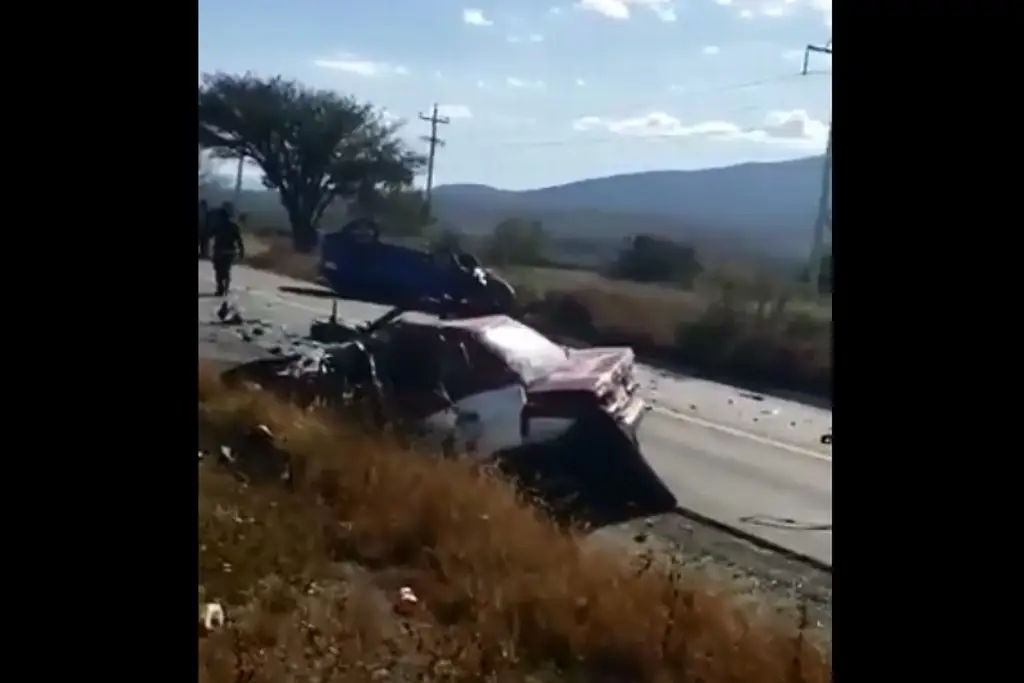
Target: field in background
x: 758, y: 338
x: 309, y: 577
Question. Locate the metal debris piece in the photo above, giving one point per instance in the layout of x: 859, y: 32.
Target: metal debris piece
x: 226, y: 455
x: 228, y: 313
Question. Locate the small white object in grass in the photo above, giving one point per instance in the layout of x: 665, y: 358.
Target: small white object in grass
x: 407, y: 601
x: 213, y: 616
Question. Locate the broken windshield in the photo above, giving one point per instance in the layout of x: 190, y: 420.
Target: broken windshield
x: 528, y: 352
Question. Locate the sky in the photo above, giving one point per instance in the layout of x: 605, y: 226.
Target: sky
x: 542, y: 92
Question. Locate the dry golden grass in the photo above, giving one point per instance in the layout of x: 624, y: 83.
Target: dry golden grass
x: 308, y: 576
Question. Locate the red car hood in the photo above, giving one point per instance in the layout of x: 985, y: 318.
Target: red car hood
x: 588, y: 369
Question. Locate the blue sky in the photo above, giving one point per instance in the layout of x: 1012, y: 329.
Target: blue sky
x: 541, y: 92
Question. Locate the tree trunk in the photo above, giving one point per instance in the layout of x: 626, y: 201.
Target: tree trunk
x: 304, y: 212
x: 304, y: 236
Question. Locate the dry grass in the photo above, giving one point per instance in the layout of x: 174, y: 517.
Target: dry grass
x: 308, y: 577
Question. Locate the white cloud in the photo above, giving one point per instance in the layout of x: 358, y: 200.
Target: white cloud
x: 794, y: 127
x: 528, y: 38
x: 580, y: 82
x: 620, y: 9
x: 455, y: 111
x: 483, y: 85
x: 475, y: 17
x: 362, y: 67
x: 514, y: 82
x: 779, y: 8
x: 390, y: 119
x: 710, y: 50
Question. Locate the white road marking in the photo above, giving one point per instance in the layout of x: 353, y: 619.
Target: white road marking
x: 668, y: 412
x: 734, y: 431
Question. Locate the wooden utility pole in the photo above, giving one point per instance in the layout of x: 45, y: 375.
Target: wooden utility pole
x: 823, y: 218
x: 434, y: 143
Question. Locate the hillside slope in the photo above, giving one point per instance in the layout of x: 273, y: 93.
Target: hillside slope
x: 767, y: 207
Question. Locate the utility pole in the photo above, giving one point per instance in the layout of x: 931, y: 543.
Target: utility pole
x: 434, y: 143
x: 238, y: 180
x: 823, y: 218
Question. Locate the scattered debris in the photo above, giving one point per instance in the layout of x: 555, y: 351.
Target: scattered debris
x: 212, y: 617
x: 826, y: 439
x: 228, y: 313
x: 752, y: 397
x: 226, y: 456
x: 407, y: 601
x: 330, y: 330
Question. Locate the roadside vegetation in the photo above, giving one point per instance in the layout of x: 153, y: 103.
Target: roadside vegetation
x: 310, y: 576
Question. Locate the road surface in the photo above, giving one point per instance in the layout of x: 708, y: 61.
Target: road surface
x: 754, y: 463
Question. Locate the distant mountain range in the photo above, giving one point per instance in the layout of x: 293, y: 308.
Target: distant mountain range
x: 758, y: 208
x: 751, y: 209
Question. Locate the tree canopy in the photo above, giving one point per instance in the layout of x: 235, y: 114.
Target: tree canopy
x: 655, y: 259
x: 313, y: 146
x: 517, y: 241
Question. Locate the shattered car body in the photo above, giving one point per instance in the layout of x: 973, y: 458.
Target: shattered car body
x: 565, y: 420
x: 356, y: 264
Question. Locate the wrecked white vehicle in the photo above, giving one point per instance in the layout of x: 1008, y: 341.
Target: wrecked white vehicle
x: 564, y: 419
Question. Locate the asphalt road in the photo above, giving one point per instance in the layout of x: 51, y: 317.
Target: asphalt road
x: 751, y: 462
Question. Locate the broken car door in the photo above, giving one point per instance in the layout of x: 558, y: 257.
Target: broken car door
x: 487, y: 398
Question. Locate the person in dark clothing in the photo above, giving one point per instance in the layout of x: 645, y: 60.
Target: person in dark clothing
x: 203, y: 232
x: 227, y: 245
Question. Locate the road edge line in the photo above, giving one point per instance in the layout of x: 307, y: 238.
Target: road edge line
x: 755, y: 540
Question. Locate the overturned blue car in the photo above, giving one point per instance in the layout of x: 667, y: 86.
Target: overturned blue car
x: 356, y: 264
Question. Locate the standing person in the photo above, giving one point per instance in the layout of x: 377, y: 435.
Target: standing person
x: 227, y: 245
x: 203, y: 232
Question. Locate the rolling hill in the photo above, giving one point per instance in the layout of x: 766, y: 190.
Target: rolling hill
x: 766, y: 208
x: 753, y: 209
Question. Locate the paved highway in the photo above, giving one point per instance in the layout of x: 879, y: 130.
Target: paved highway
x: 751, y: 462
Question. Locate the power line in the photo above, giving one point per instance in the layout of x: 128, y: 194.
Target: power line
x: 434, y: 142
x: 824, y: 215
x: 618, y: 138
